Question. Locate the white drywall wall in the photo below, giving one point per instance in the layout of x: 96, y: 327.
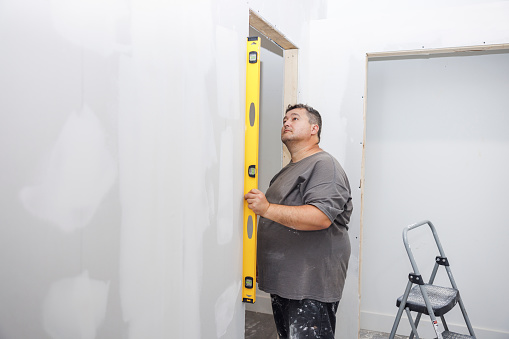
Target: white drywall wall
x: 121, y: 182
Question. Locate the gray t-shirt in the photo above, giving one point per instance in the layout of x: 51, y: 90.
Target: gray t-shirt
x: 307, y: 264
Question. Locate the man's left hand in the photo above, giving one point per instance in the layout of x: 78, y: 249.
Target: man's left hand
x: 257, y: 202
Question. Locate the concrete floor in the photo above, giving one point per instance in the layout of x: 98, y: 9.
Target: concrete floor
x: 261, y: 326
x: 365, y: 334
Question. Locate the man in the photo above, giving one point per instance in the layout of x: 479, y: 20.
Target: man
x: 303, y: 244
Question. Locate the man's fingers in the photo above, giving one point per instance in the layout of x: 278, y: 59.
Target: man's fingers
x: 251, y: 194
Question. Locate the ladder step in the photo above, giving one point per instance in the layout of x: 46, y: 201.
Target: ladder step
x: 442, y: 299
x: 452, y: 335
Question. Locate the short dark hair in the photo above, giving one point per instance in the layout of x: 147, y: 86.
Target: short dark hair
x: 313, y: 115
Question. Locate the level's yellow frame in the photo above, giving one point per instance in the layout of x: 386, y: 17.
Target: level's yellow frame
x: 252, y: 124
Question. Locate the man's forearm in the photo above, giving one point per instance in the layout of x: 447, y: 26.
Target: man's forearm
x: 302, y: 218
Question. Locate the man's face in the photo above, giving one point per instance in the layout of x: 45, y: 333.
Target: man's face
x: 296, y: 126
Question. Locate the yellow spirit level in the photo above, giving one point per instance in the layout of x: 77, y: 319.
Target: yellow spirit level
x: 251, y: 167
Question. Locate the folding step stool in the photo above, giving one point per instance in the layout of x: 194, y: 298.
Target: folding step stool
x: 427, y: 298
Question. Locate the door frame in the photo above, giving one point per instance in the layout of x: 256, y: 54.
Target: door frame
x: 401, y: 54
x: 290, y: 59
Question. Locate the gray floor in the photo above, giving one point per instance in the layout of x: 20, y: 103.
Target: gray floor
x: 365, y: 334
x: 261, y: 326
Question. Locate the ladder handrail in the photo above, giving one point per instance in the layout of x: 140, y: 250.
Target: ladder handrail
x: 407, y: 245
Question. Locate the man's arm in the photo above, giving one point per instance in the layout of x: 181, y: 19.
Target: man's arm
x: 302, y: 218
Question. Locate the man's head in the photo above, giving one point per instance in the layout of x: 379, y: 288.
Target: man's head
x: 312, y: 115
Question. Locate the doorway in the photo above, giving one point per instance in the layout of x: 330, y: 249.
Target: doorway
x: 436, y: 148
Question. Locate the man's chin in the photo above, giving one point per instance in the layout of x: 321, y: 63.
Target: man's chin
x: 286, y: 136
x: 285, y: 141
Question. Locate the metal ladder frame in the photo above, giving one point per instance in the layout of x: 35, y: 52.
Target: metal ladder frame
x: 415, y: 278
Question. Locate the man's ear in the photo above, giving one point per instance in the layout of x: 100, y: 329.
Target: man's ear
x: 314, y: 129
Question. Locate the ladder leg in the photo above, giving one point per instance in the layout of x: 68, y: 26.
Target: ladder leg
x: 396, y: 321
x: 430, y: 312
x: 400, y: 310
x: 444, y: 323
x: 460, y: 301
x: 465, y: 316
x: 417, y: 319
x: 412, y: 324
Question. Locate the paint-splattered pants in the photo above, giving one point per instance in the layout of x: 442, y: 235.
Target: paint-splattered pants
x: 299, y: 319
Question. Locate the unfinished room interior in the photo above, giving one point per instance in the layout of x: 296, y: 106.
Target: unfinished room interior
x: 122, y: 149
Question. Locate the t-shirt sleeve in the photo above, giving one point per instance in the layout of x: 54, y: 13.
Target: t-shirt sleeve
x: 327, y: 190
x: 329, y: 198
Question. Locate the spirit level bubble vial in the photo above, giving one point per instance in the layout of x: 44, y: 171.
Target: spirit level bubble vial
x: 251, y: 167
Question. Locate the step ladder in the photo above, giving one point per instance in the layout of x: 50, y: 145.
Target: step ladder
x: 429, y: 299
